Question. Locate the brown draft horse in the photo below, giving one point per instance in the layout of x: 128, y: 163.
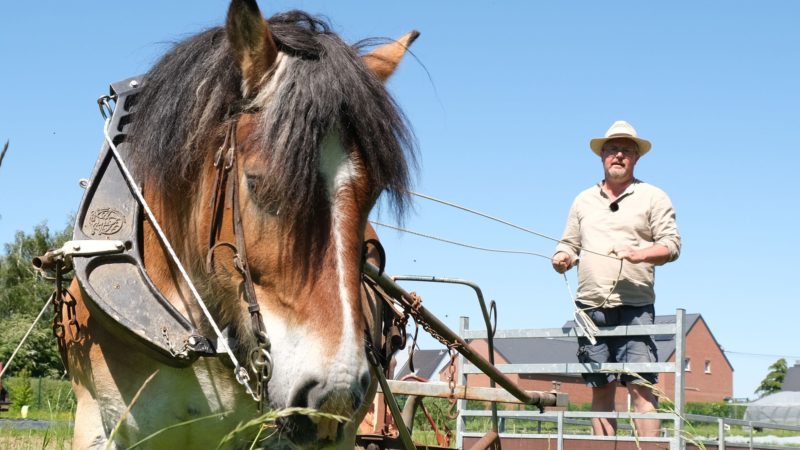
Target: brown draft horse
x: 319, y: 139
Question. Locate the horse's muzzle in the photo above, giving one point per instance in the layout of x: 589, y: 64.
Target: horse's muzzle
x: 319, y: 395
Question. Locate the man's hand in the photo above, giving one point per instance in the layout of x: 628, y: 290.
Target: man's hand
x: 561, y: 262
x: 628, y: 253
x: 655, y: 254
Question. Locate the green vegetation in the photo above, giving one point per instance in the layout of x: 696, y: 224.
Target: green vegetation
x: 45, y: 396
x: 773, y: 382
x: 48, y: 400
x: 55, y: 437
x: 21, y: 390
x: 23, y: 294
x: 32, y: 377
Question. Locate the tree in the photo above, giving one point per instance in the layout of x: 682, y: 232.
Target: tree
x: 23, y: 294
x: 774, y: 380
x: 21, y: 390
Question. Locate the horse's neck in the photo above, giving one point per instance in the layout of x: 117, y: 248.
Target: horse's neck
x: 158, y: 264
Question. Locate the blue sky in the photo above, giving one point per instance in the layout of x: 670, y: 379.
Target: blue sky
x: 503, y: 98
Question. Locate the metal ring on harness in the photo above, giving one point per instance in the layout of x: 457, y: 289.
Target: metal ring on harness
x: 261, y: 361
x: 210, y: 255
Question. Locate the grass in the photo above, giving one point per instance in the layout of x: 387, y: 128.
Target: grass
x: 58, y: 435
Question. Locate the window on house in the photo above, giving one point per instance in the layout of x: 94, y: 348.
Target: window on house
x: 708, y: 366
x: 687, y: 365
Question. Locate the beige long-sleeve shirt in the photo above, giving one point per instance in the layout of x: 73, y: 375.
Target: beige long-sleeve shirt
x: 644, y: 217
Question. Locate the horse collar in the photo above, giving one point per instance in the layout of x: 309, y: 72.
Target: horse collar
x: 116, y: 287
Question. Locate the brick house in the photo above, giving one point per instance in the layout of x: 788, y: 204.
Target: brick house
x: 708, y: 376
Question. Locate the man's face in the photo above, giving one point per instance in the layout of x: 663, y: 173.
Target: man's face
x: 619, y: 157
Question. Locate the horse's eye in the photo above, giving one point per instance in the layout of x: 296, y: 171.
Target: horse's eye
x: 255, y: 186
x: 252, y: 183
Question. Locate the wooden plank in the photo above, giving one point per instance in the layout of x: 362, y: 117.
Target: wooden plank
x: 442, y: 390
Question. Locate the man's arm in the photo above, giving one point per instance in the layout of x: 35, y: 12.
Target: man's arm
x: 666, y: 239
x: 656, y: 254
x: 568, y: 249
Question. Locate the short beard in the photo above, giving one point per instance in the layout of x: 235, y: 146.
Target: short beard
x: 617, y: 173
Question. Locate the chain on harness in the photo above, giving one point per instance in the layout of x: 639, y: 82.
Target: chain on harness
x: 63, y: 301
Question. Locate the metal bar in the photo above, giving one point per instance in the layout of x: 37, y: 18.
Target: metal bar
x: 743, y: 423
x: 489, y: 440
x: 680, y: 358
x: 486, y: 320
x: 573, y: 368
x: 397, y: 292
x: 560, y: 439
x: 625, y: 330
x: 583, y: 437
x: 577, y: 437
x: 442, y: 390
x: 549, y: 417
x: 405, y: 436
x: 463, y: 326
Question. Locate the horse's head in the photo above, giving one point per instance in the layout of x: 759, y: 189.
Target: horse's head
x: 317, y: 140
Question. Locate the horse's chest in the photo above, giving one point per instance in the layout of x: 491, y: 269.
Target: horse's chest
x: 188, y: 408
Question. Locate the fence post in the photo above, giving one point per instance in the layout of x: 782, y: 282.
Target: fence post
x: 560, y: 439
x: 680, y: 361
x: 721, y: 434
x: 463, y: 326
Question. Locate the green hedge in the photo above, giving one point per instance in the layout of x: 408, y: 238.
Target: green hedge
x: 41, y: 393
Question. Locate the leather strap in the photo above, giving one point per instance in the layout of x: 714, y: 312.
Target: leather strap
x: 226, y: 189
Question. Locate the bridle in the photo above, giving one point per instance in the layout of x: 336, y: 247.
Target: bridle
x: 115, y: 257
x: 226, y: 197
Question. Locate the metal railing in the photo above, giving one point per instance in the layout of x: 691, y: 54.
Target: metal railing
x: 723, y: 433
x: 677, y: 329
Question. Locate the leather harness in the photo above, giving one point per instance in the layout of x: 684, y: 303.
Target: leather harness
x: 227, y: 183
x: 117, y: 288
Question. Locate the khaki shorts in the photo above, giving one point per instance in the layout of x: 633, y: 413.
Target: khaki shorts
x: 619, y: 349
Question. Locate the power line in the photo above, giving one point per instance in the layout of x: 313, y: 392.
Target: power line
x: 766, y: 355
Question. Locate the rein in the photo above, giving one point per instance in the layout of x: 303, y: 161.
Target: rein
x: 226, y: 186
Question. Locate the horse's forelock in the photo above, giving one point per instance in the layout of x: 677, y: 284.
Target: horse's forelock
x: 323, y: 87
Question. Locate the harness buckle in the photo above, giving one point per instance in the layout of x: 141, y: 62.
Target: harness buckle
x: 104, y: 103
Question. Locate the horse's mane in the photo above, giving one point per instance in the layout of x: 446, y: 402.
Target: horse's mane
x: 324, y: 86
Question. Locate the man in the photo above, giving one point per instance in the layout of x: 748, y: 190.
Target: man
x: 616, y: 233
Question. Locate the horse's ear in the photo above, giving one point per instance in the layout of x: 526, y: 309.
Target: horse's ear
x: 251, y: 41
x: 384, y: 60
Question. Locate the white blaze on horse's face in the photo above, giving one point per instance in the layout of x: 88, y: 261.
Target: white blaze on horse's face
x: 339, y: 172
x: 321, y: 361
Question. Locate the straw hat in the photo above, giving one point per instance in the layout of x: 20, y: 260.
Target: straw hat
x: 620, y: 129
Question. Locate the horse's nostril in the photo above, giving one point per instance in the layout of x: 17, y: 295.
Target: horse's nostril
x: 364, y: 382
x: 301, y: 397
